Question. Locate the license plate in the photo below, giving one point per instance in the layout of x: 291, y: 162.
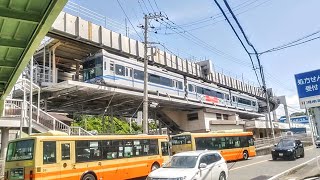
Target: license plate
x: 280, y: 154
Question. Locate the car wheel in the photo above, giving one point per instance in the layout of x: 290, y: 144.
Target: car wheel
x: 155, y: 166
x: 88, y: 177
x: 222, y: 176
x: 294, y: 156
x: 302, y: 155
x: 245, y: 155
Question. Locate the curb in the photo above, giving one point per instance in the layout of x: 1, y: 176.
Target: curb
x: 289, y: 171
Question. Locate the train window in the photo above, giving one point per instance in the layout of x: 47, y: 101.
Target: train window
x: 200, y: 90
x: 120, y: 70
x: 180, y: 85
x: 154, y: 78
x: 138, y: 74
x: 226, y: 96
x: 253, y: 103
x: 191, y: 88
x: 244, y: 101
x: 208, y: 92
x: 219, y: 95
x: 111, y: 66
x: 234, y: 99
x: 165, y: 81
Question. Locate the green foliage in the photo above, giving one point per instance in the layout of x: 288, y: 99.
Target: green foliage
x: 106, y: 125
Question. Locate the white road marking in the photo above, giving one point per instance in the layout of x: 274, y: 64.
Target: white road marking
x: 284, y: 172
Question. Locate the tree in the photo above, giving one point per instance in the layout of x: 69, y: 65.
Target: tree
x: 118, y: 126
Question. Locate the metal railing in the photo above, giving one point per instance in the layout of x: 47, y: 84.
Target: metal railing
x: 265, y: 142
x: 15, y: 107
x: 12, y: 108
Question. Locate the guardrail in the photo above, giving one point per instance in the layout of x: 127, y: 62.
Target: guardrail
x: 264, y: 142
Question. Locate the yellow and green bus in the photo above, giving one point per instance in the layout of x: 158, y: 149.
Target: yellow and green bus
x: 55, y: 155
x: 232, y: 145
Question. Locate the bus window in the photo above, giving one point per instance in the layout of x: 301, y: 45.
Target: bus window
x: 65, y: 151
x: 20, y: 150
x: 165, y: 148
x: 128, y: 149
x: 178, y: 140
x: 49, y: 152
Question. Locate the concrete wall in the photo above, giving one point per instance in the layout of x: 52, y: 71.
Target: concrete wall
x: 217, y: 127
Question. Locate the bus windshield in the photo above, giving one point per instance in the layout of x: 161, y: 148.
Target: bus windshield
x: 20, y: 150
x: 183, y: 139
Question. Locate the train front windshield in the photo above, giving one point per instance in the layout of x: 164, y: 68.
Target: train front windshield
x: 92, y: 68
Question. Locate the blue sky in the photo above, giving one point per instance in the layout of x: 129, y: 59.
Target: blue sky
x: 267, y: 23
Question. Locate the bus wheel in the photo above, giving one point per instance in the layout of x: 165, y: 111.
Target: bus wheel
x: 155, y: 166
x: 88, y: 177
x: 245, y: 155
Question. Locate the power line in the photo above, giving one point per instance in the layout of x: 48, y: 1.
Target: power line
x: 235, y: 32
x: 124, y: 12
x: 151, y: 6
x: 288, y: 46
x: 155, y: 2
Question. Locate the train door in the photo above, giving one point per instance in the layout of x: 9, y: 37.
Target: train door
x: 129, y: 76
x: 234, y: 101
x: 227, y: 99
x: 111, y: 71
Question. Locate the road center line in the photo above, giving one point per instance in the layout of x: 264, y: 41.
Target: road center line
x: 259, y: 162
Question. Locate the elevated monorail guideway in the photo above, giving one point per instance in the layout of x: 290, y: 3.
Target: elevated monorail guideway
x: 76, y: 32
x: 23, y: 25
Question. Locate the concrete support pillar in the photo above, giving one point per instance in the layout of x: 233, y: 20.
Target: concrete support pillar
x: 50, y: 68
x: 77, y: 71
x: 4, y: 141
x: 316, y: 121
x: 54, y: 67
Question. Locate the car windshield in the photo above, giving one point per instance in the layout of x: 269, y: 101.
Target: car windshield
x: 182, y: 162
x: 285, y: 143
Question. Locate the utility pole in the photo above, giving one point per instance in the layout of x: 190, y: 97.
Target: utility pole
x: 145, y: 92
x: 267, y: 98
x: 311, y: 125
x: 127, y: 29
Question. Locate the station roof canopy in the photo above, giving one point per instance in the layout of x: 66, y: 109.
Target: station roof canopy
x: 23, y: 25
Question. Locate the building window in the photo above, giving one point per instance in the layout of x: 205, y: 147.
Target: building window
x: 225, y: 117
x: 49, y: 152
x: 192, y: 116
x: 219, y: 116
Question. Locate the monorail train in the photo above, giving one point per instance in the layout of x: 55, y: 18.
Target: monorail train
x: 128, y: 73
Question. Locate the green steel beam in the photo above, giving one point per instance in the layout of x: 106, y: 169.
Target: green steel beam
x: 7, y: 64
x: 18, y: 15
x: 43, y: 26
x: 13, y: 43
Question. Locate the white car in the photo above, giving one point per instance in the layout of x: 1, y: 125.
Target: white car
x: 193, y: 165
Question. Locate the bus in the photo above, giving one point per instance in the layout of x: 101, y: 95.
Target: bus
x: 55, y: 155
x: 232, y: 145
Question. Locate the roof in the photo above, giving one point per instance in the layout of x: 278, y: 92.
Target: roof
x: 195, y: 153
x: 23, y: 25
x: 60, y: 116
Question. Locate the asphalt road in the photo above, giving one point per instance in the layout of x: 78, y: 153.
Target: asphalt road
x: 263, y: 167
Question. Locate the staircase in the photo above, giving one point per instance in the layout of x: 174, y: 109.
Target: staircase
x: 169, y: 123
x: 18, y: 111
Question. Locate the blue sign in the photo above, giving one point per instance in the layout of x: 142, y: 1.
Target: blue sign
x: 308, y: 83
x: 299, y: 119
